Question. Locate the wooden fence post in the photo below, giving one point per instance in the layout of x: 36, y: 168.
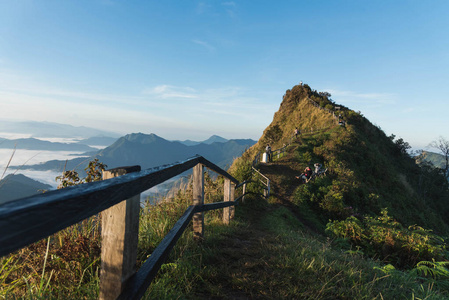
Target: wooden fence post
x: 198, y: 199
x: 227, y: 197
x: 119, y: 233
x: 244, y: 192
x: 232, y: 198
x: 268, y: 187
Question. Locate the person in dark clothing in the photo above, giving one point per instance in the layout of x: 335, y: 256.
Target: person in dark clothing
x: 306, y: 175
x: 268, y: 151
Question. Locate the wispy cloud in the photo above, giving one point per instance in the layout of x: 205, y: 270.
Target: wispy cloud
x: 202, y: 7
x: 234, y: 101
x: 205, y: 45
x: 159, y: 108
x: 16, y: 84
x: 373, y: 98
x: 230, y: 7
x: 169, y: 91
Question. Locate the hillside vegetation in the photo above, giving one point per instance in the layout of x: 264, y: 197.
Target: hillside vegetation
x: 375, y: 198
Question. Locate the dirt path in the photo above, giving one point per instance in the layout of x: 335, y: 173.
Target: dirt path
x: 282, y: 174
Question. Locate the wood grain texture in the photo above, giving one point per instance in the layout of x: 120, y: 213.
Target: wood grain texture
x: 226, y: 198
x: 198, y: 199
x: 139, y: 283
x: 119, y: 238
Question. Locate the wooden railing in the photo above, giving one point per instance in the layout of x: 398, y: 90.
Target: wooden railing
x: 264, y: 180
x: 28, y: 220
x: 278, y: 153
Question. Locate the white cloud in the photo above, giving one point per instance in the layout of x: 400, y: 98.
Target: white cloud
x: 210, y: 103
x: 372, y: 98
x: 162, y: 109
x: 170, y: 91
x: 202, y: 7
x: 205, y: 45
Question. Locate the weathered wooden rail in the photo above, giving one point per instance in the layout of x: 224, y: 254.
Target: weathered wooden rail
x: 28, y: 220
x: 265, y: 181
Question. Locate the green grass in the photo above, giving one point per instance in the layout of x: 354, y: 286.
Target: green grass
x: 266, y: 254
x: 65, y: 265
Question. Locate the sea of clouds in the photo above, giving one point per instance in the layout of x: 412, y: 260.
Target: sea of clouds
x: 21, y: 157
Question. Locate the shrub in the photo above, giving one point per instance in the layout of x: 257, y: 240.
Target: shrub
x: 389, y: 240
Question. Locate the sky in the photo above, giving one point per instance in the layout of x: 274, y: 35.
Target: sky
x: 191, y: 69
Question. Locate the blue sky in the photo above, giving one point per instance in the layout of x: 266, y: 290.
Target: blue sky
x: 190, y: 69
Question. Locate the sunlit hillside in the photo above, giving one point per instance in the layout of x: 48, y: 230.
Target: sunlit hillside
x: 371, y: 179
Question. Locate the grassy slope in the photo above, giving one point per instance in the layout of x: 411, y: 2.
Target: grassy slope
x: 368, y: 170
x: 267, y: 253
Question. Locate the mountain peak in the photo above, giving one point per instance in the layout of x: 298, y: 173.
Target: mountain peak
x: 143, y: 138
x: 215, y: 139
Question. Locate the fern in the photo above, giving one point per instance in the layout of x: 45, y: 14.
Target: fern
x: 432, y: 269
x: 387, y: 269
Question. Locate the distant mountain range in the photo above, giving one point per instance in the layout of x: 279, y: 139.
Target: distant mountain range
x: 49, y: 129
x: 98, y: 141
x: 438, y: 160
x: 18, y: 186
x: 147, y: 150
x: 150, y: 150
x: 35, y: 144
x: 211, y: 140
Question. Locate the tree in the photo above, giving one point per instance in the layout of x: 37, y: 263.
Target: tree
x: 402, y: 146
x: 443, y: 145
x: 71, y: 177
x: 325, y: 94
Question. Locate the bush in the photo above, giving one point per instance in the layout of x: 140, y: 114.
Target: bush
x: 389, y: 240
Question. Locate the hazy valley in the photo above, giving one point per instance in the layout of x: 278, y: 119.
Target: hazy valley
x: 56, y: 150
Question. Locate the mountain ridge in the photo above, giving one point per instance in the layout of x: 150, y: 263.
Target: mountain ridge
x: 51, y: 129
x: 367, y: 170
x: 214, y: 139
x: 150, y: 150
x: 16, y: 186
x: 36, y: 144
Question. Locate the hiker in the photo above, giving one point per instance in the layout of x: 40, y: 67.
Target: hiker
x: 268, y: 152
x: 296, y: 133
x: 306, y: 175
x: 317, y: 168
